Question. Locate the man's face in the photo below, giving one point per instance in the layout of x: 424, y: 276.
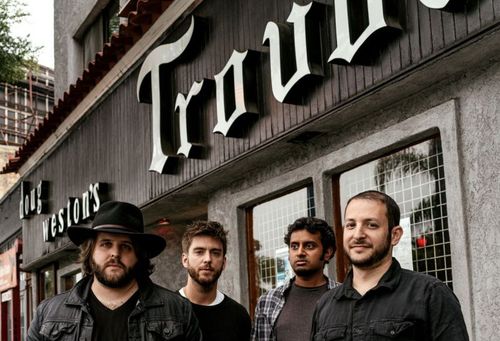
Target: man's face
x: 205, y: 260
x: 114, y: 259
x: 367, y: 241
x: 306, y: 254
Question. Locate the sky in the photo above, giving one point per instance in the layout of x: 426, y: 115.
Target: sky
x: 39, y: 25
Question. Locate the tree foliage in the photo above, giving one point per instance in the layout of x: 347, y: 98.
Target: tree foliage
x: 17, y: 54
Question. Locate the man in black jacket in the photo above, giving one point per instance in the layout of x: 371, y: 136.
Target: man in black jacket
x: 379, y: 300
x: 115, y: 300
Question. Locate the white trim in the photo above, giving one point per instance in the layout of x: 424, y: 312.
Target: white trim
x: 121, y: 68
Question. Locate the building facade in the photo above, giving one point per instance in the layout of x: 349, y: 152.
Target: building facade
x: 254, y: 113
x: 23, y: 107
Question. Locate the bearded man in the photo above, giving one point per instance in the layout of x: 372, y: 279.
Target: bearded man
x: 378, y: 299
x: 115, y: 300
x: 204, y: 246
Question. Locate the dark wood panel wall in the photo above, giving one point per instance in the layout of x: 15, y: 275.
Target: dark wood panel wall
x: 113, y: 143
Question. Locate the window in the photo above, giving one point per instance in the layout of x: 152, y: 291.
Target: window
x: 47, y: 282
x: 69, y: 281
x: 415, y: 178
x: 25, y: 302
x: 266, y: 224
x: 100, y: 31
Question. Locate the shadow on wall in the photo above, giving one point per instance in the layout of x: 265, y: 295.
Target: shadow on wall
x: 169, y: 271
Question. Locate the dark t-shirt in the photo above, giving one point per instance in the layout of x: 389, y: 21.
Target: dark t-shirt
x: 295, y: 320
x: 111, y: 325
x: 226, y: 321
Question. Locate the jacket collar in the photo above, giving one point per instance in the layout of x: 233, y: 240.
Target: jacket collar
x: 79, y: 293
x: 389, y: 280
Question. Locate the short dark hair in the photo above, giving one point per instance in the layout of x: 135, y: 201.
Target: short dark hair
x: 143, y: 269
x: 313, y: 225
x: 392, y: 209
x: 204, y: 228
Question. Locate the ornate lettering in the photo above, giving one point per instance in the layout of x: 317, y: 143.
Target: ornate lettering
x: 350, y: 35
x: 149, y: 90
x: 182, y: 104
x: 236, y: 94
x: 292, y: 56
x: 435, y: 4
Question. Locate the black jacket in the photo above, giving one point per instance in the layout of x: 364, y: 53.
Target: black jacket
x: 160, y: 314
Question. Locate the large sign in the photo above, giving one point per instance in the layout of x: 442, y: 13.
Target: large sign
x: 294, y: 59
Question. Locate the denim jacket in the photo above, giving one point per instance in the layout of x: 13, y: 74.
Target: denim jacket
x: 159, y: 314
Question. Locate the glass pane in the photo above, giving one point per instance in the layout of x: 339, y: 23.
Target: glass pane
x: 23, y: 317
x: 414, y: 177
x: 9, y: 320
x: 270, y: 221
x: 47, y: 283
x: 70, y: 281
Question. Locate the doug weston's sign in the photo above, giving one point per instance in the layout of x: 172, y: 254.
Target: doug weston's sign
x: 78, y: 210
x: 235, y: 84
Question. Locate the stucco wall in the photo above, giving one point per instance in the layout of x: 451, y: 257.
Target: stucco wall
x: 465, y: 109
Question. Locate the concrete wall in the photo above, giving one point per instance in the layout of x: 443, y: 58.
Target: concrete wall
x: 465, y: 109
x: 71, y: 19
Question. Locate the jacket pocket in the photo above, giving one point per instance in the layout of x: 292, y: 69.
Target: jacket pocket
x: 164, y: 330
x: 393, y: 330
x: 61, y: 331
x: 330, y: 334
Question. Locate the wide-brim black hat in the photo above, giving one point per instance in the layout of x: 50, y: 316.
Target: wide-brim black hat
x: 123, y: 218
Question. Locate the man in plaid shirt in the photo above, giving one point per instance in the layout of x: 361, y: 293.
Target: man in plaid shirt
x: 285, y: 313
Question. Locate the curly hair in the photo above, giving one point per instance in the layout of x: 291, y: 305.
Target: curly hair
x: 204, y: 228
x: 392, y: 209
x: 313, y: 225
x: 143, y: 269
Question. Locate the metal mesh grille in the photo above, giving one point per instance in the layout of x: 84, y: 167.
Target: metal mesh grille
x: 414, y: 177
x: 270, y: 222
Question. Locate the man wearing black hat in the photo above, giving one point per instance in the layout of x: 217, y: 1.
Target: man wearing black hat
x: 115, y: 300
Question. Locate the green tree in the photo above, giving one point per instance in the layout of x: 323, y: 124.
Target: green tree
x: 17, y: 54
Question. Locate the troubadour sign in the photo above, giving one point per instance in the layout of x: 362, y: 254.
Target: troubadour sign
x: 235, y: 83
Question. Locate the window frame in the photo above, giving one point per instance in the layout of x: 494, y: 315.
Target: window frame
x: 342, y: 261
x: 253, y: 288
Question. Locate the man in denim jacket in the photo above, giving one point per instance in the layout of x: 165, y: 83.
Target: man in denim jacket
x: 115, y: 300
x: 379, y: 300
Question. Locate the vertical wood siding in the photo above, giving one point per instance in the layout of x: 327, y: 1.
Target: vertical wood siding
x: 113, y: 143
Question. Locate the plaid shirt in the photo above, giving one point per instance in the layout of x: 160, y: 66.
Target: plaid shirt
x: 269, y: 307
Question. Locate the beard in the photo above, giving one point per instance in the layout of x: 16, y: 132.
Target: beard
x: 206, y: 282
x: 113, y: 280
x: 377, y: 255
x: 306, y: 273
x: 309, y: 271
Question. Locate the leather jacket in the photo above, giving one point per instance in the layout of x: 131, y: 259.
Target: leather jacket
x: 159, y: 314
